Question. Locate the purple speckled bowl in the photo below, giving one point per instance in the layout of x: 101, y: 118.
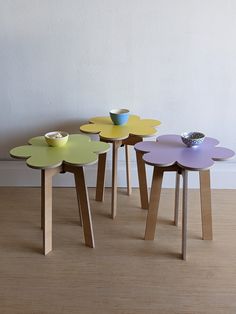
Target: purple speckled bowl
x: 192, y: 139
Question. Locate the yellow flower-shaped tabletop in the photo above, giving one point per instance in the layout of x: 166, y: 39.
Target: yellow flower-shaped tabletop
x: 78, y: 151
x: 128, y: 134
x: 107, y: 130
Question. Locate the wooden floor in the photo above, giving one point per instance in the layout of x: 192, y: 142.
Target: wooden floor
x: 124, y: 273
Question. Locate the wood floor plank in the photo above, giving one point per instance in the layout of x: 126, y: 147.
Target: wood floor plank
x: 124, y: 273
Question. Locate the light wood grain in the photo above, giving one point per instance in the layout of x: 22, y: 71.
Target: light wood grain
x: 142, y: 180
x: 42, y: 197
x: 205, y: 190
x: 128, y: 177
x: 124, y: 274
x: 83, y: 203
x: 47, y: 210
x: 46, y: 207
x: 155, y: 195
x: 184, y: 214
x: 78, y: 197
x: 101, y: 177
x: 115, y: 147
x: 132, y: 140
x: 116, y: 144
x: 176, y: 213
x: 46, y: 181
x: 84, y: 207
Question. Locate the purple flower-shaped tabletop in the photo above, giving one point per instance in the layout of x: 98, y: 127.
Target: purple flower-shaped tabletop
x: 169, y: 150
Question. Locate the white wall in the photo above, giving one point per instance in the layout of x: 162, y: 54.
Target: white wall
x: 63, y: 61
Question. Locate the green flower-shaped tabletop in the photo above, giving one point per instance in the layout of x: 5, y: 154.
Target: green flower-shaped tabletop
x: 78, y: 151
x: 107, y: 130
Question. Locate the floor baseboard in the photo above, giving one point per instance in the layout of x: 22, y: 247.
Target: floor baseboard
x: 16, y: 173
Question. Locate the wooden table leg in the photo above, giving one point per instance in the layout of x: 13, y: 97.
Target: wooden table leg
x: 84, y: 206
x: 101, y: 177
x: 115, y: 147
x: 142, y: 180
x: 206, y: 211
x: 184, y: 214
x: 46, y: 206
x: 127, y: 157
x: 78, y: 199
x: 42, y: 198
x: 154, y: 203
x: 177, y: 198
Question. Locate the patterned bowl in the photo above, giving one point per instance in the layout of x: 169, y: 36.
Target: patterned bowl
x: 56, y: 138
x: 192, y: 139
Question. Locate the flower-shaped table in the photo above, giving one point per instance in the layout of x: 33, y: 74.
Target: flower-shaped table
x: 169, y: 153
x: 78, y: 152
x: 129, y: 134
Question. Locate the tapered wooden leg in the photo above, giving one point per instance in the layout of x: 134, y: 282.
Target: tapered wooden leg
x: 84, y: 206
x: 142, y: 180
x: 115, y: 147
x: 184, y: 214
x: 101, y: 177
x: 42, y: 199
x: 46, y: 216
x: 128, y: 178
x: 153, y: 203
x: 177, y: 198
x: 205, y: 190
x: 78, y: 200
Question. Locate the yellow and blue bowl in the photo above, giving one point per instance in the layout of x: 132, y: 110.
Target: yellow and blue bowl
x: 119, y: 116
x: 54, y: 141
